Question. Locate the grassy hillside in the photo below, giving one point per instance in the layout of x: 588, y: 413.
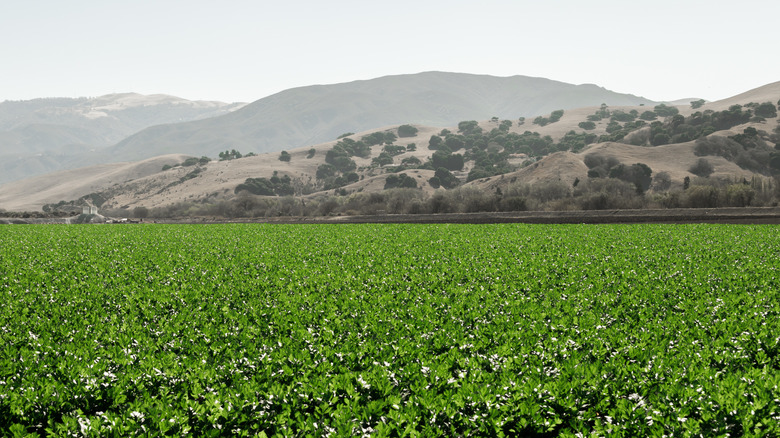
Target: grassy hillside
x: 315, y: 114
x: 717, y: 154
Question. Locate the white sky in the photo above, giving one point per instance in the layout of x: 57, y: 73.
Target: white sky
x: 235, y: 50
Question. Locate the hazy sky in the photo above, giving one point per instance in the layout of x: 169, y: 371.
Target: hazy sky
x: 244, y: 50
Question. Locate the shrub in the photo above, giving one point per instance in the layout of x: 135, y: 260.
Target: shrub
x: 141, y: 212
x: 587, y: 125
x: 740, y: 195
x: 715, y: 145
x: 702, y: 196
x: 550, y: 191
x: 284, y: 156
x: 444, y: 178
x: 702, y: 168
x: 407, y: 131
x: 469, y: 127
x: 695, y: 104
x: 383, y: 159
x: 648, y: 115
x: 435, y: 142
x: 664, y: 110
x: 400, y: 181
x: 767, y: 110
x: 662, y: 181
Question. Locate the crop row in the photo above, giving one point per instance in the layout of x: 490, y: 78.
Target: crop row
x: 390, y: 330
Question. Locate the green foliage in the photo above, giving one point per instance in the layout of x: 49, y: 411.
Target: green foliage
x: 454, y: 142
x: 587, y: 125
x: 469, y: 127
x: 444, y: 178
x: 407, y: 131
x: 696, y: 104
x: 325, y: 171
x: 613, y: 127
x: 702, y: 168
x: 339, y: 156
x: 622, y: 116
x: 664, y: 110
x: 190, y: 162
x: 350, y: 148
x: 311, y: 153
x: 393, y: 150
x: 748, y: 150
x: 166, y: 167
x: 766, y: 110
x: 554, y: 117
x: 435, y: 142
x: 411, y: 147
x: 384, y: 159
x: 344, y: 135
x: 454, y: 330
x: 639, y: 174
x: 648, y: 116
x: 275, y: 186
x: 662, y: 181
x: 284, y: 156
x: 411, y: 162
x: 599, y: 165
x: 616, y: 131
x: 447, y: 161
x: 229, y: 155
x: 374, y: 138
x: 141, y: 212
x: 574, y: 142
x: 601, y: 113
x: 394, y: 181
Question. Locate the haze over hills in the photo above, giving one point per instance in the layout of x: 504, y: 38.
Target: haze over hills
x: 44, y: 135
x: 497, y: 156
x: 315, y: 114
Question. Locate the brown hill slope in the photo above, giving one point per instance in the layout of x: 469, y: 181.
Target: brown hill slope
x: 215, y: 181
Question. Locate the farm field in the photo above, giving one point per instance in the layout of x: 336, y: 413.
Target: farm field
x: 390, y: 330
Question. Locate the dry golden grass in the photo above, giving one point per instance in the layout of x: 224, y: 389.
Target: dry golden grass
x: 145, y: 184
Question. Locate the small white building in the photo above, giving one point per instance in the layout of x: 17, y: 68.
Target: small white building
x: 89, y: 209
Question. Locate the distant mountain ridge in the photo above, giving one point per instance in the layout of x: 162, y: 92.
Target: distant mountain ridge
x: 43, y: 135
x: 318, y: 113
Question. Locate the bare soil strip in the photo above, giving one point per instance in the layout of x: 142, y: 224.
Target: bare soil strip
x: 748, y: 215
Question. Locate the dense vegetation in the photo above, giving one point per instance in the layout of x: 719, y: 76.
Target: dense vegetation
x: 502, y: 330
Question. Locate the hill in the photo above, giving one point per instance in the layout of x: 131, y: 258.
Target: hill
x: 588, y: 158
x: 310, y: 115
x: 44, y: 135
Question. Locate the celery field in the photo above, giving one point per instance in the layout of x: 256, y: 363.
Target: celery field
x: 390, y: 330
